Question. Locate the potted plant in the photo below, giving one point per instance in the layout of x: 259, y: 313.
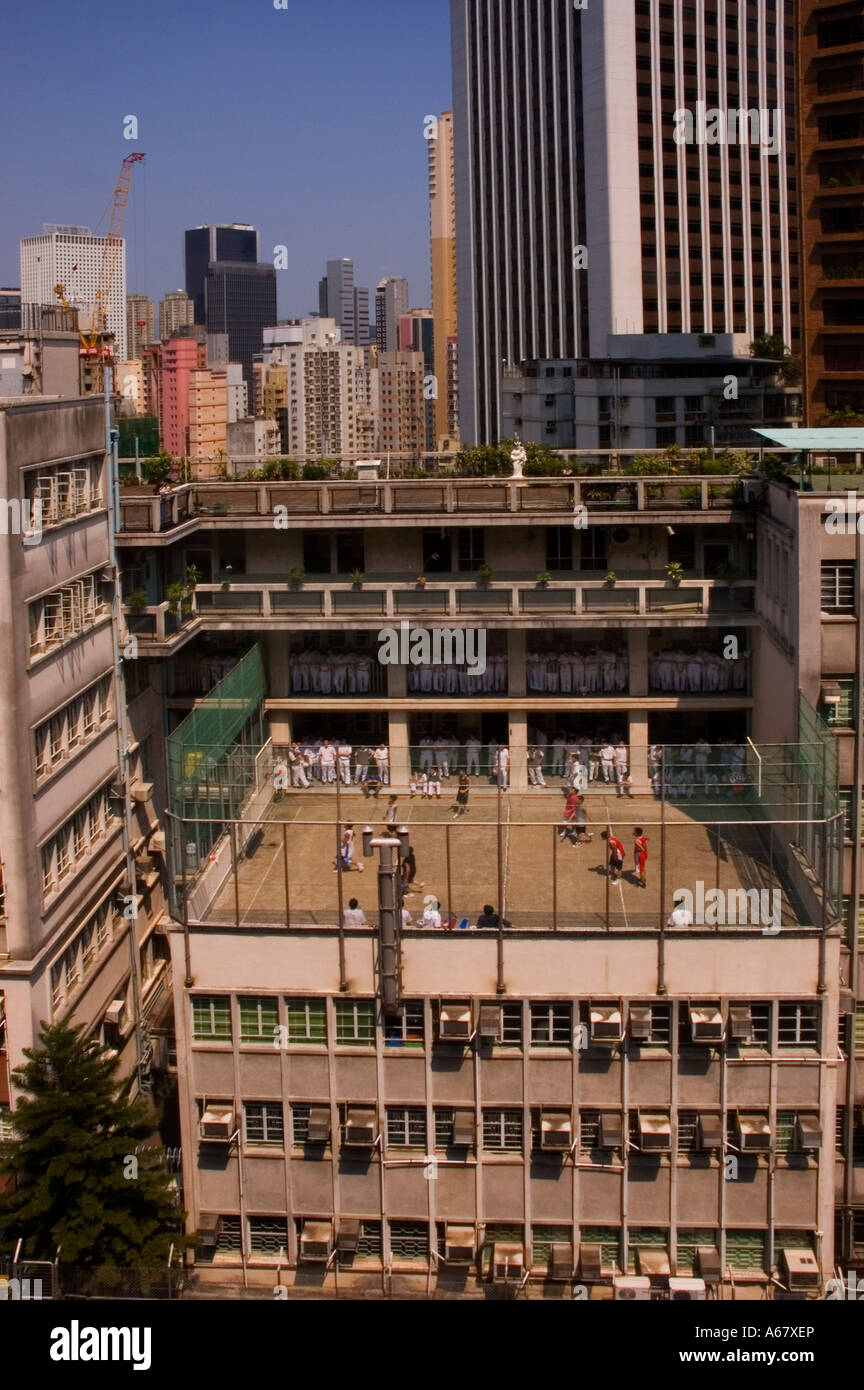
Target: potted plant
x: 421, y: 581
x: 357, y: 577
x: 175, y: 595
x: 543, y: 580
x: 485, y: 575
x: 728, y: 574
x: 136, y: 600
x: 193, y: 576
x: 611, y: 579
x: 421, y: 578
x: 296, y: 576
x: 675, y: 572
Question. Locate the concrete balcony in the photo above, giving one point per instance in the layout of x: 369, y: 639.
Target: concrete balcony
x: 491, y: 501
x: 277, y: 606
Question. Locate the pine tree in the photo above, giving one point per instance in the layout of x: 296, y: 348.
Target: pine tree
x: 76, y: 1181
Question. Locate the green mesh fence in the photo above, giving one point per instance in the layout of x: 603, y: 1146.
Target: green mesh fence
x: 209, y: 752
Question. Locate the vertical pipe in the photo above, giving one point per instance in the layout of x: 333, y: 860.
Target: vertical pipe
x: 500, y: 950
x: 554, y: 878
x: 285, y: 867
x: 343, y: 979
x: 447, y: 829
x: 235, y: 872
x: 855, y: 905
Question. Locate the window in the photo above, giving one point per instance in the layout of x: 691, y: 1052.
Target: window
x: 559, y: 547
x: 689, y: 1240
x: 409, y: 1241
x: 688, y: 1121
x: 472, y: 547
x: 551, y: 1025
x: 593, y: 548
x: 307, y: 1020
x: 859, y: 1028
x: 798, y: 1024
x: 406, y: 1128
x: 760, y: 1035
x: 264, y: 1123
x: 7, y: 1132
x: 838, y: 586
x: 645, y: 1238
x: 542, y: 1240
x: 841, y: 714
x: 502, y: 1130
x: 745, y: 1250
x: 268, y: 1235
x: 511, y: 1024
x: 454, y: 1129
x: 355, y: 1022
x: 609, y: 1240
x: 300, y: 1123
x: 406, y: 1029
x: 259, y: 1019
x: 211, y: 1016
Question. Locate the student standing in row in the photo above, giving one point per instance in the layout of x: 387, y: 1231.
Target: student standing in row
x: 461, y: 807
x: 640, y: 850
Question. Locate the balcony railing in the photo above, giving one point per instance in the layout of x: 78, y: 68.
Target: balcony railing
x: 557, y: 497
x: 272, y: 601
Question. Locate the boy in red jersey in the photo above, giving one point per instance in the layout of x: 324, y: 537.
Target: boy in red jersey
x: 640, y: 850
x: 616, y: 855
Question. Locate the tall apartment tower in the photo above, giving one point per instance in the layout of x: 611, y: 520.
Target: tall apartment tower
x: 72, y: 257
x: 612, y: 200
x: 340, y: 299
x: 241, y: 302
x: 831, y: 116
x: 442, y: 220
x: 234, y: 241
x: 140, y: 323
x: 176, y: 310
x: 391, y: 302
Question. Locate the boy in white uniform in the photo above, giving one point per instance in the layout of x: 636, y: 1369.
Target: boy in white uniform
x: 344, y: 753
x: 382, y: 762
x: 327, y: 760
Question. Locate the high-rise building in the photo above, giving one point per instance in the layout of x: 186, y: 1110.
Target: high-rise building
x: 391, y: 302
x: 180, y: 357
x: 319, y: 390
x: 830, y: 102
x: 140, y: 324
x: 340, y: 299
x: 208, y: 413
x: 10, y: 308
x: 401, y: 403
x: 617, y: 200
x: 71, y: 256
x: 176, y: 311
x: 417, y: 334
x: 442, y: 222
x: 224, y: 241
x: 241, y: 302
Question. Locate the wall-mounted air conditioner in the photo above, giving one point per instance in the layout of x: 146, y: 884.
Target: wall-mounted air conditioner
x: 591, y: 1263
x: 348, y: 1236
x: 556, y: 1130
x: 640, y: 1022
x: 708, y: 1263
x: 741, y: 1023
x: 217, y: 1124
x: 801, y: 1269
x: 489, y: 1025
x: 808, y: 1133
x: 709, y: 1132
x: 508, y: 1263
x: 454, y: 1021
x: 606, y: 1023
x: 142, y: 791
x: 209, y: 1231
x: 632, y: 1288
x: 460, y: 1245
x: 655, y: 1133
x: 115, y: 1013
x: 706, y: 1023
x: 687, y: 1290
x: 316, y: 1241
x: 463, y: 1130
x: 360, y: 1128
x: 610, y: 1131
x: 753, y: 1133
x: 318, y: 1131
x: 561, y: 1261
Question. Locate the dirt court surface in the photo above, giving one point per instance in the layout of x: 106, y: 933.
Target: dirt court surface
x: 546, y: 881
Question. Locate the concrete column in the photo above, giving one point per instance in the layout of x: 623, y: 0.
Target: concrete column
x: 516, y: 662
x: 278, y: 666
x: 639, y: 752
x: 400, y: 755
x: 637, y: 648
x: 518, y: 739
x: 397, y: 681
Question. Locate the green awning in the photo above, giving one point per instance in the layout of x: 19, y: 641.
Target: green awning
x: 829, y: 440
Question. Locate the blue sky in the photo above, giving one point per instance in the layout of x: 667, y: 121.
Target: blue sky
x: 307, y: 122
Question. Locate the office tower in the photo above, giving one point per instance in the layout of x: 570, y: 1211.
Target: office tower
x: 402, y: 403
x: 72, y: 257
x: 340, y: 299
x: 612, y: 202
x: 442, y: 223
x: 77, y: 938
x: 176, y: 311
x: 235, y: 241
x: 391, y: 302
x: 140, y: 324
x: 241, y: 302
x: 10, y: 308
x: 831, y: 132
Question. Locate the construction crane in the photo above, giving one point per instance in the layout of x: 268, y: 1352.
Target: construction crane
x: 91, y: 345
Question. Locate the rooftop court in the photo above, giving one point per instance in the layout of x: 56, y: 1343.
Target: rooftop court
x: 285, y: 875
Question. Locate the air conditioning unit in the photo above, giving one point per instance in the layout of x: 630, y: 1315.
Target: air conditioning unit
x: 316, y: 1241
x: 454, y: 1022
x: 606, y: 1023
x: 801, y: 1269
x: 632, y: 1288
x: 142, y: 791
x: 740, y: 1023
x: 561, y: 1262
x: 640, y: 1022
x: 489, y: 1025
x: 709, y: 1132
x: 808, y: 1133
x: 348, y: 1237
x: 591, y: 1263
x: 687, y: 1291
x: 655, y: 1133
x: 115, y: 1012
x: 708, y: 1263
x: 360, y: 1129
x: 459, y: 1245
x: 753, y: 1133
x: 508, y: 1263
x: 556, y: 1130
x: 209, y: 1231
x: 706, y: 1023
x: 610, y: 1133
x: 463, y: 1130
x: 144, y: 864
x: 319, y: 1125
x: 217, y: 1124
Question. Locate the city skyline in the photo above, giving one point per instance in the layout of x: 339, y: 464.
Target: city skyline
x: 317, y: 198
